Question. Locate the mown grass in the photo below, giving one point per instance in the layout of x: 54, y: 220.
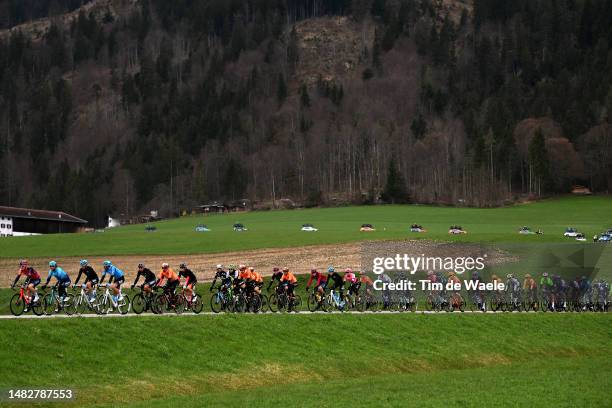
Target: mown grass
x: 315, y: 360
x: 282, y: 228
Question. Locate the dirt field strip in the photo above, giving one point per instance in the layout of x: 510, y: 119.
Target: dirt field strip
x: 299, y: 260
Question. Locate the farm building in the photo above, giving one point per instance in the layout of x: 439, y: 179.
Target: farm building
x: 24, y: 221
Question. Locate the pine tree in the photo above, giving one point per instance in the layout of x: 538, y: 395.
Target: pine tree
x: 538, y: 160
x: 395, y: 188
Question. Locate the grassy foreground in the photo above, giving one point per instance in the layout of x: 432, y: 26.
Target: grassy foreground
x: 282, y: 228
x: 316, y: 360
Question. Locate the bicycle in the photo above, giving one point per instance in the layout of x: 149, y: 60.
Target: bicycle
x: 21, y: 301
x: 456, y: 302
x: 316, y: 301
x: 106, y: 303
x: 281, y: 301
x: 143, y: 301
x: 84, y: 302
x: 167, y: 301
x: 222, y: 300
x: 195, y: 304
x: 337, y: 300
x: 53, y: 303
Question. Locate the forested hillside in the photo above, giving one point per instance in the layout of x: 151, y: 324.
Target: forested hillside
x: 117, y: 106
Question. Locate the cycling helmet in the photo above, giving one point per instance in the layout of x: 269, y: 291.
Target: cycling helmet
x: 231, y: 267
x: 241, y: 267
x: 348, y: 270
x: 545, y: 274
x: 83, y: 262
x: 275, y: 269
x: 429, y: 273
x: 165, y: 265
x: 313, y: 271
x: 219, y: 266
x: 509, y: 276
x: 494, y: 277
x: 107, y: 263
x: 52, y: 264
x: 285, y: 269
x: 527, y: 275
x: 183, y: 265
x: 251, y: 269
x: 140, y: 265
x: 331, y: 269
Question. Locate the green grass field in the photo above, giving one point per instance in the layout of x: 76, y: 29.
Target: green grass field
x: 316, y: 360
x: 282, y: 229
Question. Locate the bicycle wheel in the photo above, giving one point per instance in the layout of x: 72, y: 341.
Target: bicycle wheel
x: 68, y: 304
x: 77, y: 303
x: 196, y: 304
x: 296, y: 304
x: 239, y: 304
x: 37, y: 307
x: 138, y: 303
x: 123, y: 305
x: 17, y: 304
x: 273, y: 303
x: 264, y: 304
x: 50, y: 305
x: 216, y: 302
x: 179, y: 304
x: 255, y: 303
x: 161, y: 304
x: 312, y: 303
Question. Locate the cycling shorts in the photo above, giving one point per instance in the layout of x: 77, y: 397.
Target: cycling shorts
x: 119, y: 281
x: 34, y: 282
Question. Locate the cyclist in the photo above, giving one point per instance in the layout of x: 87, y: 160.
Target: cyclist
x: 190, y: 280
x: 63, y: 280
x: 231, y: 270
x: 369, y: 285
x: 225, y: 277
x: 321, y: 281
x: 353, y: 282
x: 288, y: 282
x: 477, y: 295
x: 172, y: 279
x: 277, y: 274
x: 546, y: 286
x: 336, y: 280
x: 257, y: 280
x: 149, y: 278
x: 513, y: 287
x: 32, y: 279
x: 116, y: 278
x: 244, y: 278
x: 586, y: 291
x: 530, y: 287
x: 91, y: 278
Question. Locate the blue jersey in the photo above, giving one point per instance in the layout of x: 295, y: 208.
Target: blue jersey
x: 58, y: 274
x: 113, y: 271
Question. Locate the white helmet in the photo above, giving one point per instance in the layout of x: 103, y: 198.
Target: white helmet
x: 219, y: 266
x: 165, y: 265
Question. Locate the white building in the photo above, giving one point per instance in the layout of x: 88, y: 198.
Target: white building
x: 6, y: 226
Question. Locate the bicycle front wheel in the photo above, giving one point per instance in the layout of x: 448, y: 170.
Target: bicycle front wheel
x: 273, y: 303
x: 123, y: 305
x: 50, y: 305
x: 17, y: 304
x: 216, y: 302
x: 138, y: 303
x: 196, y: 304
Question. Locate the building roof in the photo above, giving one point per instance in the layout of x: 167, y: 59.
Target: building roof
x: 40, y: 214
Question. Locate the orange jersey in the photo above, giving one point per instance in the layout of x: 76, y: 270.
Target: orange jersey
x: 256, y: 276
x: 246, y: 275
x: 366, y: 279
x: 288, y: 277
x: 168, y: 274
